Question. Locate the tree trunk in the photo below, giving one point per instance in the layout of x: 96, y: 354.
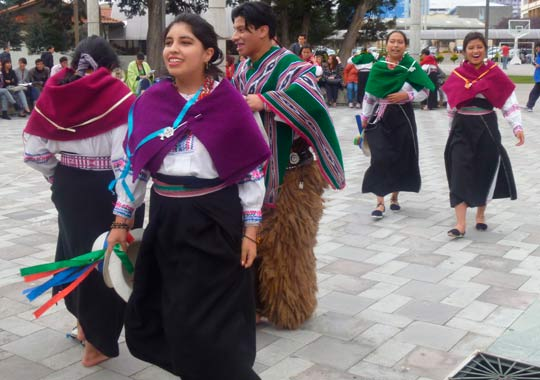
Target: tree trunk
x: 154, y: 44
x: 306, y: 22
x: 351, y: 36
x: 284, y: 17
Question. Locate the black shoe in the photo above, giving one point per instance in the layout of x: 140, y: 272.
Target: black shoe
x: 378, y: 214
x: 455, y: 233
x: 394, y: 206
x: 5, y: 116
x: 481, y: 226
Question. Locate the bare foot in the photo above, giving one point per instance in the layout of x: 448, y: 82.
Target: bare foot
x: 92, y: 356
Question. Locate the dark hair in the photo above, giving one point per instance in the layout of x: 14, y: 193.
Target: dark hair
x: 140, y: 56
x: 257, y: 14
x: 23, y: 60
x: 99, y: 49
x: 302, y: 35
x: 4, y: 65
x: 425, y: 52
x: 400, y: 32
x: 305, y: 47
x: 50, y: 47
x: 63, y: 59
x: 332, y: 65
x: 474, y: 36
x: 205, y: 33
x: 39, y: 60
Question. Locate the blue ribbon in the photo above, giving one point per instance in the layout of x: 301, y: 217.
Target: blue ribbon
x: 66, y: 276
x: 151, y: 136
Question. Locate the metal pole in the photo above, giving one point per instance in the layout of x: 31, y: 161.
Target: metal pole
x: 416, y: 23
x: 486, y: 22
x: 92, y: 10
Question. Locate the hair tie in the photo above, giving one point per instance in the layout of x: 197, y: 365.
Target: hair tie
x: 86, y: 62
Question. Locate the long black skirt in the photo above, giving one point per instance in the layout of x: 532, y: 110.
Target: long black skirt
x: 477, y: 165
x: 192, y: 311
x: 85, y: 208
x: 394, y: 152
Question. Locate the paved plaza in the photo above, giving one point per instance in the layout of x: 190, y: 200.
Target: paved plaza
x: 397, y: 299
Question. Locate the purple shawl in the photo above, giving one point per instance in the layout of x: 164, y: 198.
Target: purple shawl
x: 226, y: 128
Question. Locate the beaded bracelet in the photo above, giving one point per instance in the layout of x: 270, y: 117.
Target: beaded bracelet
x: 250, y: 239
x: 122, y: 226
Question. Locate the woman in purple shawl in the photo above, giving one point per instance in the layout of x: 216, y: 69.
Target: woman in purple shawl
x: 192, y: 311
x: 477, y: 165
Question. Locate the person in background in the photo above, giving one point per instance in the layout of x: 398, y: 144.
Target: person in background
x: 535, y: 91
x: 48, y: 58
x: 350, y: 77
x: 229, y: 67
x: 139, y: 76
x: 5, y: 55
x: 39, y: 76
x: 307, y: 55
x: 63, y: 63
x: 430, y: 66
x: 12, y: 84
x: 23, y: 77
x: 364, y: 63
x: 333, y: 79
x: 296, y: 47
x: 505, y: 51
x: 5, y: 96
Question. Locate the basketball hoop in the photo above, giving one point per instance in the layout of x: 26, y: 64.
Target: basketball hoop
x: 518, y: 29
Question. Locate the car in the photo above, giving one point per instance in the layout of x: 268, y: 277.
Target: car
x: 493, y: 51
x: 433, y: 50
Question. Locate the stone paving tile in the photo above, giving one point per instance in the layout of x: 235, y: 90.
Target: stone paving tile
x: 15, y: 367
x: 73, y: 372
x: 470, y: 343
x: 369, y: 371
x: 19, y: 326
x: 507, y: 297
x: 347, y: 267
x: 425, y: 291
x: 318, y: 372
x: 435, y: 364
x: 389, y: 353
x: 431, y: 335
x: 346, y: 284
x: 154, y: 373
x: 423, y: 273
x: 499, y: 279
x: 344, y: 303
x: 125, y: 364
x: 39, y: 345
x: 338, y: 325
x: 477, y: 311
x: 334, y: 352
x: 390, y: 303
x: 105, y: 374
x: 286, y: 369
x: 377, y: 334
x: 426, y: 311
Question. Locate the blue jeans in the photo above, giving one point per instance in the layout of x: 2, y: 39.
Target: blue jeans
x: 505, y: 62
x: 352, y: 91
x: 5, y: 97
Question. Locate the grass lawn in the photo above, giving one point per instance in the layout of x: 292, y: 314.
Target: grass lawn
x: 521, y: 79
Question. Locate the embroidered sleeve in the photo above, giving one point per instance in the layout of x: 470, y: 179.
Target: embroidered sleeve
x: 415, y: 96
x: 251, y: 192
x: 38, y: 156
x: 368, y: 105
x: 124, y: 187
x: 451, y: 112
x: 512, y: 113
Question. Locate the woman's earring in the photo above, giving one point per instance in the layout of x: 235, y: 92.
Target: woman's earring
x: 207, y: 65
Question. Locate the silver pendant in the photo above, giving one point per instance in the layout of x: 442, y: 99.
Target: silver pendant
x: 301, y: 185
x: 167, y: 132
x: 294, y: 158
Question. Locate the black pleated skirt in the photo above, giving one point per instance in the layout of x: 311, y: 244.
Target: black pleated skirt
x: 477, y: 165
x: 394, y: 152
x: 85, y: 207
x: 192, y: 311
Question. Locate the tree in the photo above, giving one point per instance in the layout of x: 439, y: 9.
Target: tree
x: 10, y: 31
x: 352, y: 13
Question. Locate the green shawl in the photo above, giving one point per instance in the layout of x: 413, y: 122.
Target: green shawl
x: 383, y: 81
x: 290, y: 91
x: 363, y: 58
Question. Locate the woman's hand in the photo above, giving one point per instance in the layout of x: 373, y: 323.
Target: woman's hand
x: 398, y: 97
x: 364, y: 123
x: 254, y: 102
x: 249, y: 246
x: 119, y: 235
x: 521, y: 137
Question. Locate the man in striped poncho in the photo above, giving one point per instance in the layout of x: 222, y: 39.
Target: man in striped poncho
x: 306, y: 158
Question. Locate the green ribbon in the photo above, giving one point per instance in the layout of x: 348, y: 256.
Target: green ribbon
x: 79, y: 261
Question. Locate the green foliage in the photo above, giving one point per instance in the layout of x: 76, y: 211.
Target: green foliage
x: 439, y: 58
x: 10, y: 32
x: 454, y: 57
x: 138, y: 7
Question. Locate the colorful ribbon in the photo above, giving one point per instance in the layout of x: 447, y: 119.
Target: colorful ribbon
x: 72, y: 271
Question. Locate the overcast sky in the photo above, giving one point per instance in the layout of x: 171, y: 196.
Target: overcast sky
x: 453, y: 3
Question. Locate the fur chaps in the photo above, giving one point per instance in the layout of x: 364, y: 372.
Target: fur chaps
x: 287, y: 275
